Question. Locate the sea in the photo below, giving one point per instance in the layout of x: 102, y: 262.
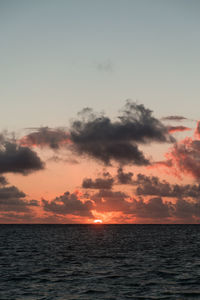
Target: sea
x: 96, y: 262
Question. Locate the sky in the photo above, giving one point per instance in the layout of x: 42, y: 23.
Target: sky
x: 99, y: 111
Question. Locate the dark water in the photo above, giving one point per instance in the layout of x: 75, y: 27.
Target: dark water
x: 99, y: 262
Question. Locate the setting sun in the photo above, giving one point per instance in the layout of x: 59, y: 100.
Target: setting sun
x: 98, y: 221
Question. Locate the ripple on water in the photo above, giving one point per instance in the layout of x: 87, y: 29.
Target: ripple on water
x: 114, y: 262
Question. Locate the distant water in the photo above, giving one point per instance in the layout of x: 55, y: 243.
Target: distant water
x: 99, y: 262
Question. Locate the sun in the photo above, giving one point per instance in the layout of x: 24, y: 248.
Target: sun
x: 98, y: 221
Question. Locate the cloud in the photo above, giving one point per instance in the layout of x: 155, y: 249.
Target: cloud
x: 155, y: 208
x: 3, y: 181
x: 31, y: 217
x: 186, y: 210
x: 183, y: 208
x: 60, y: 158
x: 69, y: 208
x: 16, y: 217
x: 124, y: 178
x: 163, y: 163
x: 185, y: 157
x: 12, y: 199
x: 172, y: 129
x: 147, y: 185
x: 153, y: 186
x: 197, y: 130
x: 108, y: 201
x: 101, y: 138
x: 45, y: 136
x: 68, y: 204
x: 106, y: 174
x: 174, y: 118
x: 181, y: 211
x: 106, y: 66
x: 98, y: 183
x: 17, y: 159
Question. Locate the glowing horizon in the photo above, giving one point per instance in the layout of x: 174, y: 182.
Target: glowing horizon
x: 98, y: 221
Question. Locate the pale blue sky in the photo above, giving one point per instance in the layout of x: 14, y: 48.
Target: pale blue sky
x: 57, y: 57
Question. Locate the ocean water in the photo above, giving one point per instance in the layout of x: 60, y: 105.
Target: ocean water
x: 99, y: 262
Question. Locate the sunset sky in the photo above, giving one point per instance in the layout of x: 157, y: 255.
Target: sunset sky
x: 100, y: 106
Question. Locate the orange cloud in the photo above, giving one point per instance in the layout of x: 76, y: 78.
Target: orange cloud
x: 172, y: 129
x: 197, y: 131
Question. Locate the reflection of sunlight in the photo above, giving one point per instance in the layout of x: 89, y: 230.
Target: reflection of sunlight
x: 98, y: 221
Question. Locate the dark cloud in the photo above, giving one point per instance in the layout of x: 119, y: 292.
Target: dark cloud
x: 3, y: 181
x: 197, y: 131
x: 122, y: 152
x: 107, y: 201
x: 106, y: 66
x: 185, y: 157
x: 12, y: 199
x: 106, y: 174
x: 181, y: 211
x: 61, y: 158
x: 30, y: 217
x: 17, y: 159
x: 183, y: 208
x: 153, y: 186
x: 98, y: 183
x: 116, y: 201
x: 186, y: 210
x: 45, y: 136
x: 68, y: 204
x: 172, y: 129
x: 174, y: 118
x: 124, y: 178
x: 155, y: 208
x: 16, y: 217
x: 10, y: 192
x: 106, y: 140
x: 69, y: 208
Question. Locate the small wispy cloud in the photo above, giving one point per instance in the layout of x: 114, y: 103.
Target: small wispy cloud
x: 105, y: 66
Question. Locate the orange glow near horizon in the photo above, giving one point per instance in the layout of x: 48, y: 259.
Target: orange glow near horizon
x: 98, y: 221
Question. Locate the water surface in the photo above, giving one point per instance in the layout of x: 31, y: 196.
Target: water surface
x: 99, y: 262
